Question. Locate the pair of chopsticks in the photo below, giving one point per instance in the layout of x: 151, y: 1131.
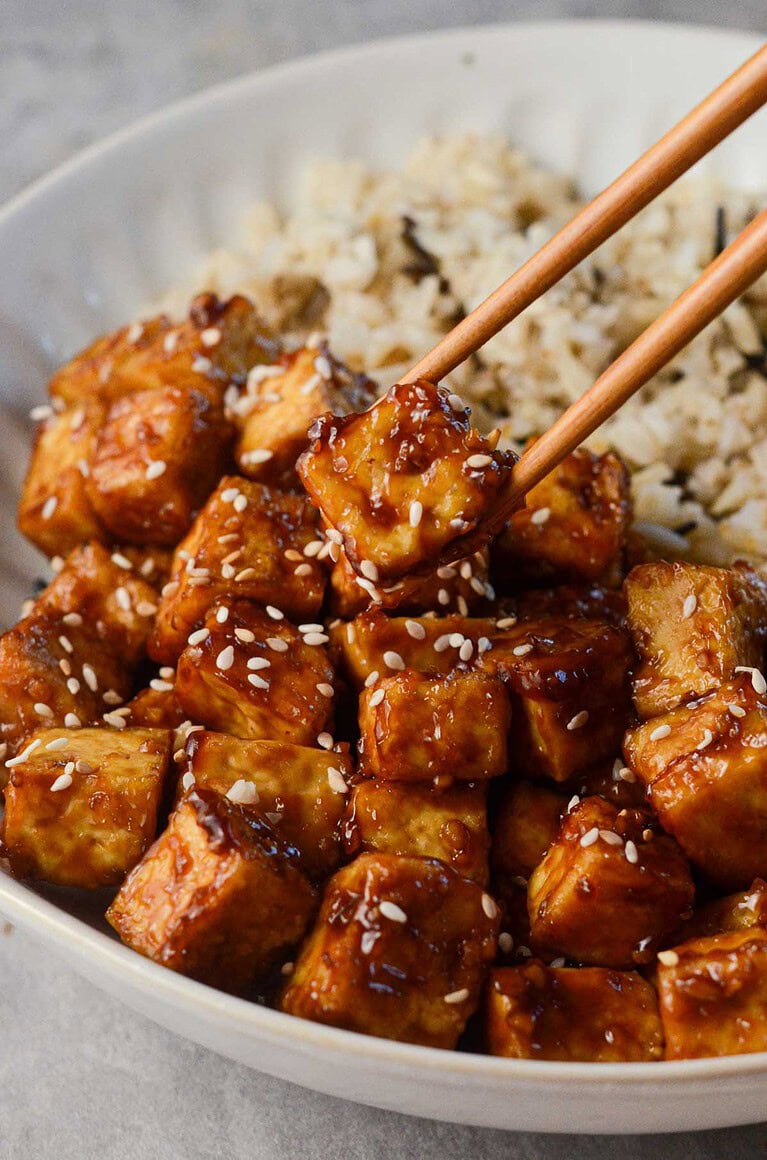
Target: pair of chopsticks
x: 728, y: 276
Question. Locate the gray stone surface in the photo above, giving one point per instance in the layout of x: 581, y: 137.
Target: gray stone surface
x: 81, y: 1077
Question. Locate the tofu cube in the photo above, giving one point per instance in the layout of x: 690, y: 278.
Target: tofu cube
x: 587, y: 1014
x: 609, y: 888
x: 406, y: 482
x: 735, y: 912
x: 81, y: 805
x: 280, y: 404
x: 527, y: 818
x: 247, y: 543
x: 706, y: 771
x: 418, y: 728
x: 713, y: 995
x: 299, y: 790
x: 374, y: 643
x: 93, y: 373
x: 156, y: 707
x: 572, y: 529
x: 256, y: 677
x: 157, y: 458
x: 389, y: 817
x: 55, y: 511
x: 692, y: 627
x: 460, y: 587
x: 399, y: 951
x: 613, y: 781
x: 218, y: 896
x: 569, y: 689
x: 573, y: 601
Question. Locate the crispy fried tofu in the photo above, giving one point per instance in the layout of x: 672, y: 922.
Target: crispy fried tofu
x: 247, y: 543
x: 692, y: 626
x: 572, y: 529
x: 416, y: 728
x: 376, y: 643
x: 587, y: 1014
x: 55, y: 511
x: 526, y: 823
x: 280, y: 404
x: 219, y: 896
x: 713, y: 995
x: 449, y: 824
x: 301, y: 791
x: 399, y: 951
x: 404, y: 482
x: 255, y: 677
x: 569, y: 689
x: 156, y: 707
x: 609, y: 888
x: 93, y: 373
x: 706, y: 770
x: 157, y: 458
x: 461, y: 587
x: 573, y: 601
x: 735, y: 912
x: 81, y: 806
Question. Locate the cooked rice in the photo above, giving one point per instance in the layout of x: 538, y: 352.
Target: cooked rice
x: 340, y: 262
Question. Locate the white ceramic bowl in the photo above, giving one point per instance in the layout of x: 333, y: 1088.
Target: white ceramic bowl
x: 83, y: 249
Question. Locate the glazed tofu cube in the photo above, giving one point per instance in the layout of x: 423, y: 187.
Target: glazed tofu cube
x: 572, y: 529
x: 252, y: 676
x: 280, y: 404
x: 219, y: 896
x: 460, y: 587
x: 377, y: 644
x: 81, y: 805
x: 399, y: 951
x: 569, y: 689
x: 527, y: 818
x: 157, y: 458
x: 302, y: 792
x: 713, y: 995
x: 573, y: 601
x: 55, y: 512
x: 418, y: 728
x: 706, y: 771
x: 247, y: 543
x: 613, y: 781
x: 93, y: 373
x: 588, y: 1014
x: 404, y: 483
x: 450, y: 824
x: 692, y: 627
x: 741, y: 911
x: 609, y: 888
x: 156, y: 707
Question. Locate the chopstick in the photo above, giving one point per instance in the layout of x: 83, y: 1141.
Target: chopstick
x: 728, y: 276
x: 727, y: 107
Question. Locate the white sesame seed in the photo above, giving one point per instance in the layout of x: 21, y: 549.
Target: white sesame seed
x: 155, y: 469
x: 222, y: 615
x: 72, y: 721
x: 257, y: 455
x: 631, y: 852
x: 240, y: 503
x: 484, y: 644
x: 443, y: 596
x: 229, y: 494
x: 540, y: 516
x: 737, y: 710
x: 188, y: 780
x: 573, y: 802
x: 244, y: 635
x: 369, y: 587
x: 57, y: 743
x: 590, y: 837
x: 414, y: 629
x: 442, y: 643
x: 277, y: 644
x: 122, y: 596
x: 505, y: 942
x: 198, y: 636
x: 336, y: 780
x: 170, y: 342
x: 369, y: 570
x: 225, y: 658
x: 466, y: 649
x: 112, y: 697
x: 627, y: 775
x: 376, y: 698
x: 243, y: 793
x: 121, y: 561
x: 245, y: 574
x: 90, y: 678
x: 522, y: 650
x: 506, y: 622
x: 40, y: 413
x: 228, y: 571
x: 368, y: 941
x: 334, y: 536
x: 303, y: 570
x: 708, y: 737
x: 456, y: 639
x: 668, y: 958
x: 578, y: 721
x: 393, y: 660
x: 312, y: 627
x: 211, y: 336
x: 228, y: 538
x: 256, y: 663
x: 459, y: 996
x: 324, y: 689
x: 477, y: 462
x: 371, y: 678
x: 315, y: 638
x: 689, y: 606
x: 611, y: 838
x: 456, y: 403
x: 257, y: 682
x: 49, y: 507
x: 325, y: 740
x: 758, y: 683
x: 84, y: 766
x: 447, y: 572
x: 160, y: 686
x: 660, y: 732
x: 73, y: 685
x: 42, y: 709
x: 274, y: 613
x: 391, y: 911
x: 489, y: 906
x: 72, y: 619
x: 313, y: 547
x: 65, y: 666
x: 416, y: 513
x: 63, y: 781
x: 201, y: 365
x: 114, y: 719
x: 66, y: 644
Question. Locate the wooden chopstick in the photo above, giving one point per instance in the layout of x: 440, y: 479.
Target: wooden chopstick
x: 728, y: 276
x: 710, y: 122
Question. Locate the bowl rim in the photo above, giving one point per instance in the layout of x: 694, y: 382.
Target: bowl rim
x: 22, y: 905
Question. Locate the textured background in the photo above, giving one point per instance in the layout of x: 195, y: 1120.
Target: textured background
x: 81, y: 1077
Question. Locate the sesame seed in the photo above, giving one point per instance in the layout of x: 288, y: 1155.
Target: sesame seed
x: 277, y: 644
x: 334, y: 536
x: 573, y: 802
x: 336, y: 780
x: 84, y: 766
x: 368, y: 941
x: 459, y: 996
x: 57, y: 743
x: 325, y: 740
x: 689, y: 606
x: 522, y: 650
x: 737, y: 710
x: 292, y: 554
x: 155, y: 469
x: 758, y: 683
x: 416, y: 513
x: 160, y: 686
x: 414, y: 629
x: 466, y: 649
x: 63, y: 781
x: 121, y: 561
x: 72, y: 721
x: 668, y: 958
x: 115, y: 720
x: 222, y: 615
x: 229, y: 538
x: 201, y: 365
x: 145, y: 607
x: 708, y: 737
x: 112, y: 697
x: 256, y: 663
x: 257, y: 455
x: 446, y: 573
x: 170, y: 342
x: 225, y: 658
x: 443, y: 596
x: 240, y: 503
x: 313, y: 547
x: 369, y: 570
x: 229, y: 494
x: 188, y: 780
x: 311, y: 384
x: 442, y: 643
x: 73, y: 685
x: 245, y: 574
x: 371, y: 678
x: 560, y: 962
x: 122, y: 596
x: 631, y: 852
x: 228, y: 571
x: 66, y: 644
x: 303, y: 570
x: 463, y: 607
x: 324, y: 689
x: 90, y: 678
x: 627, y: 775
x: 578, y: 721
x: 376, y: 698
x: 393, y: 660
x: 611, y: 838
x: 505, y: 942
x: 391, y: 911
x: 540, y: 516
x: 312, y: 627
x: 315, y: 638
x: 40, y: 413
x: 660, y: 732
x: 243, y: 793
x: 369, y: 587
x: 211, y: 336
x: 477, y: 462
x: 257, y: 682
x: 506, y: 622
x: 489, y: 906
x: 72, y: 619
x: 484, y: 644
x: 245, y: 635
x: 49, y: 507
x: 456, y: 403
x: 590, y: 837
x: 198, y: 636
